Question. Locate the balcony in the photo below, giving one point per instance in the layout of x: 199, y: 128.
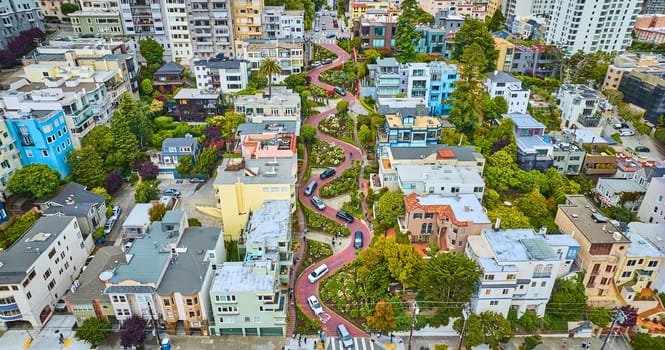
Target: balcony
x: 9, y: 307
x: 11, y: 318
x: 542, y: 275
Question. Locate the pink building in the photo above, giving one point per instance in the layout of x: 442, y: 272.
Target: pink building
x: 650, y: 28
x: 443, y: 221
x: 274, y: 139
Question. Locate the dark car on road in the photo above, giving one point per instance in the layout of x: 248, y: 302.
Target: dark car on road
x: 642, y: 149
x: 327, y: 173
x: 345, y: 216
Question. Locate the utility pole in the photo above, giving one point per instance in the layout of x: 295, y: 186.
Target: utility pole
x: 416, y: 311
x: 465, y: 314
x: 618, y: 315
x: 154, y: 325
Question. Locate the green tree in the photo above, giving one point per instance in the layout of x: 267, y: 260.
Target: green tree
x: 268, y: 68
x: 388, y: 208
x: 146, y: 191
x: 138, y: 119
x: 580, y: 68
x: 645, y: 341
x: 406, y: 34
x: 67, y: 8
x: 568, y: 299
x: 94, y: 330
x: 295, y: 80
x: 152, y: 51
x: 87, y: 167
x: 467, y: 111
x: 365, y: 135
x: 35, y: 180
x: 101, y: 140
x: 600, y: 316
x: 511, y: 217
x: 157, y: 212
x: 124, y: 141
x: 529, y: 321
x: 372, y: 55
x: 496, y: 22
x: 475, y: 32
x: 228, y: 123
x: 146, y: 87
x: 104, y: 193
x: 185, y: 166
x: 531, y: 342
x: 383, y: 318
x: 404, y: 263
x: 308, y: 133
x: 206, y: 161
x: 449, y: 278
x: 534, y: 206
x: 487, y: 327
x: 342, y: 106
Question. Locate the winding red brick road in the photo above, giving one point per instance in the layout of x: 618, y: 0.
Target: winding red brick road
x: 304, y: 288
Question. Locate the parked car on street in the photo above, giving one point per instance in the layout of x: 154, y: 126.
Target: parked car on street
x: 642, y: 149
x: 172, y: 192
x: 315, y: 305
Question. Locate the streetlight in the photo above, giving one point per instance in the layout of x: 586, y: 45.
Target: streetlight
x: 465, y: 314
x: 416, y: 311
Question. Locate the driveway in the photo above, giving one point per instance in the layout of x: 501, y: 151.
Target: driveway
x: 303, y: 287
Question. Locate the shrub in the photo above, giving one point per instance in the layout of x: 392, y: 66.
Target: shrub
x: 348, y: 181
x: 325, y: 154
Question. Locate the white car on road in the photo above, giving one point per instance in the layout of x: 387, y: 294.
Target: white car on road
x: 314, y: 305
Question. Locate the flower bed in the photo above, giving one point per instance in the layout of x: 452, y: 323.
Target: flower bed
x: 318, y: 222
x: 338, y: 125
x: 325, y: 154
x: 348, y: 181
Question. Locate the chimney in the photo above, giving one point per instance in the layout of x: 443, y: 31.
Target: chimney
x: 497, y: 226
x: 467, y: 208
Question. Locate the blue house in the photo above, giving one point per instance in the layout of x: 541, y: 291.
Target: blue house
x: 442, y: 83
x: 407, y: 131
x: 42, y: 138
x: 173, y: 149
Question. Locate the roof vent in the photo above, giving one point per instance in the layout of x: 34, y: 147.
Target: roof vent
x: 617, y: 236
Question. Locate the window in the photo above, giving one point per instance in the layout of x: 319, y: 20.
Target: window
x: 631, y: 262
x: 51, y: 285
x: 494, y: 302
x: 626, y: 274
x: 189, y: 302
x: 417, y: 215
x: 653, y: 263
x: 489, y: 277
x: 51, y: 253
x: 454, y: 189
x: 44, y: 153
x: 543, y: 284
x: 488, y: 291
x: 505, y: 291
x: 429, y: 215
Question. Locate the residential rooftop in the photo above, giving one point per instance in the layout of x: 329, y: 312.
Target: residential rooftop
x: 531, y: 143
x: 267, y: 127
x: 584, y: 136
x: 72, y: 199
x: 503, y: 77
x: 17, y: 259
x: 255, y: 276
x: 279, y: 97
x: 106, y: 259
x: 518, y: 245
x: 257, y: 171
x: 595, y: 227
x: 219, y: 63
x: 186, y: 274
x: 187, y: 141
x: 620, y: 185
x: 195, y: 94
x: 524, y: 121
x: 170, y: 68
x: 439, y: 173
x: 651, y: 232
x: 461, y: 153
x: 268, y: 225
x: 465, y: 207
x: 139, y: 216
x: 420, y: 122
x: 642, y: 245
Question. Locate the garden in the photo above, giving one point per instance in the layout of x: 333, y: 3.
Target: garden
x: 324, y: 154
x: 339, y: 125
x: 315, y: 251
x: 346, y: 182
x: 318, y: 222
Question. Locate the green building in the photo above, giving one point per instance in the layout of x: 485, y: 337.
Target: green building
x: 93, y: 22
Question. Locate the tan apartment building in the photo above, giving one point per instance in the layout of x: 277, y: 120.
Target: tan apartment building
x: 443, y: 221
x: 602, y: 247
x: 246, y: 20
x: 626, y: 63
x: 506, y: 50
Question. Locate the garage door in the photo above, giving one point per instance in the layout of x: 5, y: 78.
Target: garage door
x: 272, y: 331
x: 251, y: 331
x: 230, y: 331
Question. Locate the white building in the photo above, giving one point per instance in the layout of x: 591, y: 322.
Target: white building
x: 246, y: 299
x: 611, y: 190
x: 176, y: 29
x: 147, y: 19
x: 652, y: 208
x: 229, y: 76
x: 579, y: 104
x: 210, y: 27
x: 39, y: 268
x: 519, y: 270
x: 592, y: 25
x: 510, y: 88
x: 10, y: 158
x: 288, y: 54
x: 524, y: 8
x: 137, y: 222
x: 279, y: 23
x: 446, y: 180
x: 17, y: 16
x: 652, y: 234
x: 283, y: 105
x: 57, y: 94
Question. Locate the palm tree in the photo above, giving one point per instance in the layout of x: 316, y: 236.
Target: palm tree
x: 268, y: 68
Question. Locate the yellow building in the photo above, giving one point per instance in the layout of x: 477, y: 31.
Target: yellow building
x: 493, y: 5
x: 639, y: 268
x: 242, y: 185
x: 602, y: 247
x: 624, y: 64
x: 9, y: 155
x: 506, y: 50
x: 360, y: 8
x: 246, y: 20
